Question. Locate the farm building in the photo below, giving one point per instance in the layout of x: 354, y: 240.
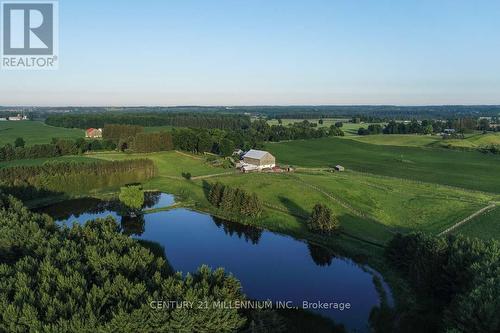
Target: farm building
x: 19, y: 117
x: 339, y: 168
x: 238, y: 153
x: 258, y: 160
x: 93, y: 133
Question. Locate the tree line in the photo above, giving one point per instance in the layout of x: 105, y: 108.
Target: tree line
x: 216, y: 141
x: 457, y: 281
x: 193, y: 119
x: 429, y: 126
x: 58, y: 147
x: 234, y: 201
x: 57, y: 178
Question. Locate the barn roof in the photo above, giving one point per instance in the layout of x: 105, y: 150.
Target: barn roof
x: 256, y: 154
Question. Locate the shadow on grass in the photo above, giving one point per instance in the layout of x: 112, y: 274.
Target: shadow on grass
x: 294, y: 209
x: 206, y: 188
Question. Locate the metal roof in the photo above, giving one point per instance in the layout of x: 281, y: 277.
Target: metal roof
x: 256, y: 154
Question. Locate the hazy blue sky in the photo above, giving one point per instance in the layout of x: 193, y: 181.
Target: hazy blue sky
x: 227, y: 52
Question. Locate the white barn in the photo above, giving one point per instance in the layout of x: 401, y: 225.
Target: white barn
x: 258, y: 160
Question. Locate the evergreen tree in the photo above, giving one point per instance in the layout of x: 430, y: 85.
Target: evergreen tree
x: 321, y: 220
x: 92, y: 278
x: 19, y: 143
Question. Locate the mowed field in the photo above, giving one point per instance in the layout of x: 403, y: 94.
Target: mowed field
x: 469, y: 170
x: 405, y: 140
x: 471, y: 141
x: 486, y: 226
x: 35, y: 132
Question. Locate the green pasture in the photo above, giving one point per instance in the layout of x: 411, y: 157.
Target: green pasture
x: 408, y: 140
x: 35, y: 132
x: 369, y: 206
x: 470, y: 170
x: 170, y: 164
x: 156, y: 129
x: 485, y: 226
x: 470, y: 142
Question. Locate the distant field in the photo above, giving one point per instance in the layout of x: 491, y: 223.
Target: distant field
x: 471, y: 142
x: 408, y: 140
x: 34, y: 132
x: 472, y: 170
x: 486, y: 226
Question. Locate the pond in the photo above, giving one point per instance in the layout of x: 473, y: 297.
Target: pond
x: 269, y: 265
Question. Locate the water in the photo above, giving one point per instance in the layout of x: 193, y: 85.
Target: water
x: 269, y: 265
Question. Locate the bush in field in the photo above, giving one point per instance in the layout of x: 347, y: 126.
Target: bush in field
x: 322, y: 220
x: 336, y: 131
x: 19, y: 142
x: 92, y: 278
x: 132, y: 197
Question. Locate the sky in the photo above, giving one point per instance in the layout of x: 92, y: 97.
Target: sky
x: 268, y: 52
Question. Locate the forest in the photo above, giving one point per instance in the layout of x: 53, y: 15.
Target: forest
x: 92, y: 278
x: 95, y: 278
x: 198, y: 120
x: 456, y: 278
x: 378, y: 113
x: 216, y: 141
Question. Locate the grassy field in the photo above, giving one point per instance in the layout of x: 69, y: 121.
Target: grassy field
x: 471, y: 141
x: 470, y: 170
x: 406, y: 140
x: 369, y: 206
x: 170, y: 164
x: 486, y: 226
x: 156, y: 129
x: 34, y: 132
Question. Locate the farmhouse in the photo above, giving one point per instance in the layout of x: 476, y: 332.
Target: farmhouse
x: 19, y: 117
x: 93, y: 133
x: 258, y: 160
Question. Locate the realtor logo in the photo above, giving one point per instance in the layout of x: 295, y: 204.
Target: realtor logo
x: 29, y: 35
